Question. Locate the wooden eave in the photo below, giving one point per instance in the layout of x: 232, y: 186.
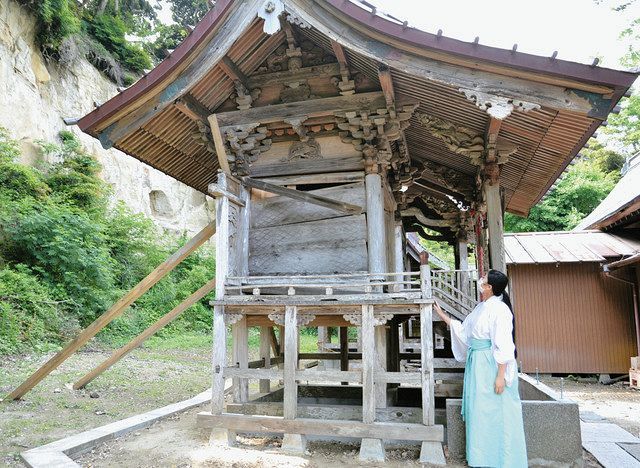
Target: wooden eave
x: 547, y: 138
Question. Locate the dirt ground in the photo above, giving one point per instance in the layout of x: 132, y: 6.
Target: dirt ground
x: 158, y: 375
x: 617, y: 402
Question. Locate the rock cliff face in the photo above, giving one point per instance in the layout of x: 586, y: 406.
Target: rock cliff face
x: 35, y: 96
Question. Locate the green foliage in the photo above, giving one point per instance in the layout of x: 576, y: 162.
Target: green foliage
x: 169, y: 37
x: 29, y: 315
x: 626, y: 125
x: 59, y: 239
x: 576, y: 195
x: 188, y: 12
x: 55, y: 22
x: 110, y: 31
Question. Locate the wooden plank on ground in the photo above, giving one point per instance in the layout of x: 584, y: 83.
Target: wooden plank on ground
x: 115, y: 311
x: 338, y: 428
x: 137, y: 341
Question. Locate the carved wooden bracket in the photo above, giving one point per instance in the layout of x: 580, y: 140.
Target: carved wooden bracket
x: 498, y: 107
x: 302, y: 319
x: 230, y: 319
x: 245, y: 143
x: 379, y: 318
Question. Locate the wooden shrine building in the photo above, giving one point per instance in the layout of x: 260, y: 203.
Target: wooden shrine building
x: 326, y: 131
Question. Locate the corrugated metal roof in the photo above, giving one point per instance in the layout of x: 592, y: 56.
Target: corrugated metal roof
x: 567, y: 247
x: 624, y: 194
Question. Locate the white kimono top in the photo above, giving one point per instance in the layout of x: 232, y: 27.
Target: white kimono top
x: 490, y: 320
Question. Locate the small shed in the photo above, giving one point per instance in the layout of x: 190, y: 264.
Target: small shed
x: 571, y: 317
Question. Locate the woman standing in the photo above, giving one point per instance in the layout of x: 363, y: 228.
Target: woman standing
x: 491, y: 406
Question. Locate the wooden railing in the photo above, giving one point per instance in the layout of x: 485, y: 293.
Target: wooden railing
x: 456, y: 290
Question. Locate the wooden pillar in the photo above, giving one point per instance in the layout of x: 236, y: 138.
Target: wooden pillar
x: 219, y: 360
x: 323, y: 338
x: 265, y: 354
x: 491, y: 193
x: 375, y: 225
x: 398, y: 257
x: 380, y: 340
x: 290, y: 362
x: 240, y: 336
x: 426, y: 357
x: 368, y: 365
x: 344, y: 350
x: 463, y: 255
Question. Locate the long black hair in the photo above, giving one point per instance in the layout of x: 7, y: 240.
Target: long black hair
x: 499, y: 283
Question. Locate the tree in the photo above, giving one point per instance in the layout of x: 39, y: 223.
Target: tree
x: 189, y: 12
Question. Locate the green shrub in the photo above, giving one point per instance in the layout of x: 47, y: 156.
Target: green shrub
x: 55, y: 21
x: 29, y: 316
x: 18, y: 180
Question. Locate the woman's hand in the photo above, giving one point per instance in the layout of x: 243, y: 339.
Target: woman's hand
x: 499, y: 384
x: 441, y: 313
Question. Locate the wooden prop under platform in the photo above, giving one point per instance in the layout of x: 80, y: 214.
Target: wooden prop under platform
x: 115, y: 311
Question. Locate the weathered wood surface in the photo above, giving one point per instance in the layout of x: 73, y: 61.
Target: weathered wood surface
x: 240, y: 342
x: 265, y: 354
x: 309, y: 109
x: 302, y: 74
x: 338, y: 428
x: 342, y: 412
x: 290, y: 362
x: 115, y: 311
x: 328, y: 178
x: 323, y: 246
x: 219, y: 360
x: 151, y: 330
x: 336, y: 164
x: 261, y: 374
x: 426, y: 351
x: 278, y: 211
x: 456, y: 73
x: 305, y: 197
x: 329, y: 376
x: 368, y: 365
x: 376, y: 238
x: 495, y: 226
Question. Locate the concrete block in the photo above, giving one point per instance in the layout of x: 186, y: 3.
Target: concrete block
x: 552, y: 432
x: 372, y: 450
x: 294, y: 443
x: 431, y: 453
x: 222, y: 436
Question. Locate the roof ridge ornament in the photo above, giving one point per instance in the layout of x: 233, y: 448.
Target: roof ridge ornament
x: 269, y: 11
x: 498, y: 107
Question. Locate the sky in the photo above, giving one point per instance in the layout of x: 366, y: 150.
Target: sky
x: 579, y: 30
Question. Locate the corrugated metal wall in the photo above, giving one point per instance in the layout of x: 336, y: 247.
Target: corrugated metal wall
x: 570, y: 319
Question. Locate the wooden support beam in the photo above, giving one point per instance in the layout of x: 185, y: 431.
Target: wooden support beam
x: 265, y: 354
x: 338, y: 51
x: 218, y: 141
x: 290, y: 362
x: 303, y: 196
x: 303, y: 74
x: 115, y: 311
x: 329, y: 427
x: 232, y: 71
x: 216, y: 191
x: 495, y: 222
x: 192, y: 108
x: 275, y: 347
x: 386, y: 83
x: 376, y: 238
x: 309, y: 109
x: 137, y: 341
x: 219, y: 360
x: 368, y: 366
x: 422, y: 219
x: 426, y: 356
x: 240, y: 342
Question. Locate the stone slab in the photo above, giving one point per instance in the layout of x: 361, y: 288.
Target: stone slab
x: 431, y: 453
x: 372, y: 450
x: 632, y: 449
x: 606, y: 432
x: 590, y: 416
x: 294, y: 443
x: 611, y: 455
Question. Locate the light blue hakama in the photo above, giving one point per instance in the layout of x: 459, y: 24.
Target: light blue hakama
x: 494, y: 429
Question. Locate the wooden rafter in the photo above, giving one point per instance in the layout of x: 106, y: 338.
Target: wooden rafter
x: 233, y: 71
